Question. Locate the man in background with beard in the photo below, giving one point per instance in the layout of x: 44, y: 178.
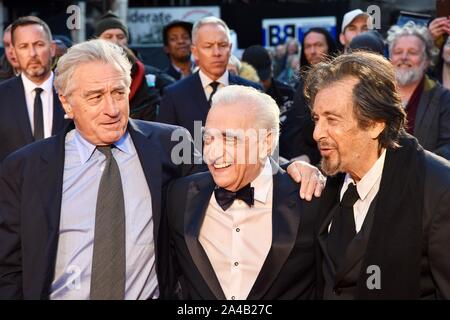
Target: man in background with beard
x: 426, y: 102
x: 29, y: 107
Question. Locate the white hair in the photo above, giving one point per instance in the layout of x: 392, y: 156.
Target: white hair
x: 96, y: 50
x: 208, y: 20
x: 234, y: 61
x: 263, y: 107
x: 411, y: 29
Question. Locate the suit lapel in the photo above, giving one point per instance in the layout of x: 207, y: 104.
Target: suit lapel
x: 328, y: 200
x: 198, y: 196
x: 199, y: 97
x: 357, y: 247
x: 322, y: 239
x: 285, y: 224
x: 50, y: 182
x: 58, y: 114
x: 147, y: 150
x: 19, y: 104
x: 421, y: 110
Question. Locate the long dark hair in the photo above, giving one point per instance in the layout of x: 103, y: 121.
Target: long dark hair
x: 332, y: 47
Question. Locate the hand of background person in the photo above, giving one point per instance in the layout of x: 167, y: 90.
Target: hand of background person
x: 439, y: 27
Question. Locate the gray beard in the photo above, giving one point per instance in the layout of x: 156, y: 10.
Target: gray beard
x: 408, y: 76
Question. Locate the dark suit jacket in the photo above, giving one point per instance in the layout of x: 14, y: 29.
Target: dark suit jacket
x: 171, y: 71
x: 296, y: 133
x: 185, y: 101
x: 15, y: 127
x: 30, y: 206
x: 411, y: 247
x: 288, y: 271
x: 432, y: 123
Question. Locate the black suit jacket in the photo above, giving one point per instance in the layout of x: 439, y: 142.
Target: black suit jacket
x: 30, y: 205
x: 15, y: 127
x: 185, y: 102
x: 432, y: 123
x: 171, y: 71
x: 288, y: 271
x: 410, y: 245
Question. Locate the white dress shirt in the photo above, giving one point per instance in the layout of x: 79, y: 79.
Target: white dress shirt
x: 47, y: 102
x: 238, y: 240
x: 367, y: 189
x: 206, y: 81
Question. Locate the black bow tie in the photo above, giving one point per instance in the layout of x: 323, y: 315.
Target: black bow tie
x: 225, y: 197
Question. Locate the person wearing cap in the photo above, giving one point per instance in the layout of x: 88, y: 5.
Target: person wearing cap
x: 260, y: 59
x: 187, y: 102
x: 353, y: 23
x: 177, y: 45
x: 144, y: 96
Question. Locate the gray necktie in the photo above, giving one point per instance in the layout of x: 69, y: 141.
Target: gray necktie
x: 108, y: 262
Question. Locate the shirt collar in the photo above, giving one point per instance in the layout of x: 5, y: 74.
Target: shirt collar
x: 263, y: 182
x: 206, y: 81
x: 29, y: 85
x: 369, y: 180
x: 179, y: 69
x: 86, y: 149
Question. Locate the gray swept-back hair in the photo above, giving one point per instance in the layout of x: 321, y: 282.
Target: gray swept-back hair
x: 412, y: 29
x: 265, y: 109
x: 208, y: 20
x: 97, y: 50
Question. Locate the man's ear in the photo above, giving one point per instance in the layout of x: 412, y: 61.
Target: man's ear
x: 376, y: 129
x: 66, y: 106
x: 194, y: 52
x: 342, y: 38
x: 270, y: 143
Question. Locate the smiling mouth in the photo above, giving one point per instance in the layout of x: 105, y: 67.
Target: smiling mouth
x: 221, y: 165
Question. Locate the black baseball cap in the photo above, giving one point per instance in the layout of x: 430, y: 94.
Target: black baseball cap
x: 260, y: 59
x: 368, y: 41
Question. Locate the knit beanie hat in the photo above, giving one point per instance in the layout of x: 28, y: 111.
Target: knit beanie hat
x: 109, y: 21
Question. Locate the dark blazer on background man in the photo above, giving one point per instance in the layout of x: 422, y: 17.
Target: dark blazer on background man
x: 288, y: 271
x: 15, y: 127
x: 171, y: 71
x: 185, y: 101
x: 30, y: 206
x: 432, y: 123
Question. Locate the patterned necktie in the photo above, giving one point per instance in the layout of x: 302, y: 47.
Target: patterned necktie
x: 343, y: 228
x: 38, y: 117
x: 225, y: 198
x: 108, y: 262
x: 214, y: 85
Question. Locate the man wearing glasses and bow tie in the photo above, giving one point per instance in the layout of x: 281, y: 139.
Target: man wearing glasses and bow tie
x: 241, y: 231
